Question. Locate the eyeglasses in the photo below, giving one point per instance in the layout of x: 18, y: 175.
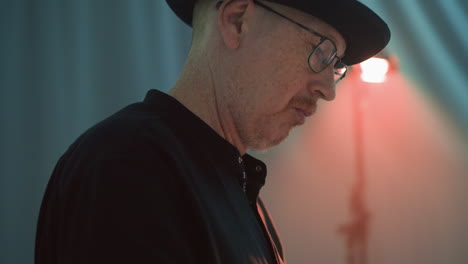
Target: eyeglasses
x: 322, y: 55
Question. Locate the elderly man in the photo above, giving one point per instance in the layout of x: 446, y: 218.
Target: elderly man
x: 168, y: 180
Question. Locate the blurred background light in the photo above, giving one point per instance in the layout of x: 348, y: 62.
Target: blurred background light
x: 374, y: 70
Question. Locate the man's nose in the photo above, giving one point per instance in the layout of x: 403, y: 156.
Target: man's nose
x: 325, y: 87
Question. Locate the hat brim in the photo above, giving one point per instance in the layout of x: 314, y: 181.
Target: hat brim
x: 365, y: 33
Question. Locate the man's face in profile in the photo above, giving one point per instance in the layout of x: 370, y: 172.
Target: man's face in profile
x: 274, y: 89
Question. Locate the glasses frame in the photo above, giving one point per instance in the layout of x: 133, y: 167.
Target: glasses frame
x: 339, y: 61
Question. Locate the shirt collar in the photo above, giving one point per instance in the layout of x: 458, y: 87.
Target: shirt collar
x: 221, y: 150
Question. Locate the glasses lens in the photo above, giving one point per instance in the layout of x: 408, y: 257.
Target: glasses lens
x: 340, y: 70
x: 322, y: 55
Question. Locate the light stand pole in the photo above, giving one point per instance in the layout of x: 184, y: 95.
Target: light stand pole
x: 356, y: 231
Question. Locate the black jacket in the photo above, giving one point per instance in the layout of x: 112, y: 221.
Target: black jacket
x: 154, y: 184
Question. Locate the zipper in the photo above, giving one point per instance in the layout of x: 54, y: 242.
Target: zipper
x: 244, y: 175
x: 268, y: 239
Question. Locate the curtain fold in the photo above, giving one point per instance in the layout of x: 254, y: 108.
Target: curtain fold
x: 430, y: 40
x: 65, y: 65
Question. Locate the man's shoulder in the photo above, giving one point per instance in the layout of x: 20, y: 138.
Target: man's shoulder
x: 132, y: 132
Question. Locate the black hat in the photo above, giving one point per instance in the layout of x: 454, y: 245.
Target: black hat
x: 365, y: 33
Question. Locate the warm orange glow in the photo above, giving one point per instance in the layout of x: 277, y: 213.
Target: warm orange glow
x: 374, y: 70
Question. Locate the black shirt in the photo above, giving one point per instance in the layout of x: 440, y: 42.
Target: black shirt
x: 154, y: 184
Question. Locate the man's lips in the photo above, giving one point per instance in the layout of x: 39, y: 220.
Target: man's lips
x: 306, y: 112
x: 303, y: 113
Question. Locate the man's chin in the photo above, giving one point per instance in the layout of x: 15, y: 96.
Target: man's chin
x: 262, y: 144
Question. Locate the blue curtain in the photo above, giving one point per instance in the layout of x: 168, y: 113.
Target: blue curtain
x: 64, y: 65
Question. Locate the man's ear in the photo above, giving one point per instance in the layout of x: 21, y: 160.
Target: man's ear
x: 232, y: 22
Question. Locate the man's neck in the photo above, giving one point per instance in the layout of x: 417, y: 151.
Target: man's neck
x: 196, y: 89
